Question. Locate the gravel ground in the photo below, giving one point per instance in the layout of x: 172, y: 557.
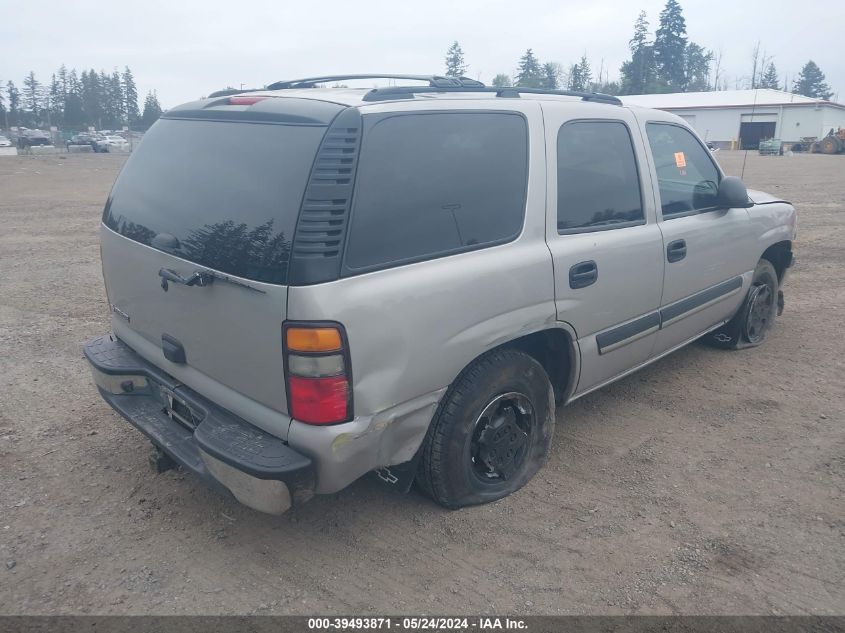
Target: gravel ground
x: 711, y: 482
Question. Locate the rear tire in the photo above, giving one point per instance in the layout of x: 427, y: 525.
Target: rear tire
x: 491, y: 433
x: 753, y: 321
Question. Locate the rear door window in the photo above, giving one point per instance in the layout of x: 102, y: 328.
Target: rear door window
x: 434, y: 184
x: 598, y: 183
x: 224, y: 195
x: 686, y: 174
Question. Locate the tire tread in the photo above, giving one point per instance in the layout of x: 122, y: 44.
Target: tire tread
x: 430, y: 477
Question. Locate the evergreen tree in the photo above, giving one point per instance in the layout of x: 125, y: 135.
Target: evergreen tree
x: 811, y: 83
x: 551, y: 76
x: 14, y: 96
x: 581, y: 76
x: 130, y: 97
x: 586, y: 72
x: 696, y: 68
x: 608, y: 87
x: 455, y: 65
x: 575, y: 80
x: 116, y: 88
x: 74, y: 85
x: 638, y: 74
x: 109, y: 115
x: 32, y: 97
x: 670, y: 44
x: 62, y: 77
x: 530, y: 73
x: 112, y: 99
x: 152, y: 110
x: 73, y: 110
x: 92, y: 98
x: 501, y: 80
x: 770, y: 78
x: 55, y: 101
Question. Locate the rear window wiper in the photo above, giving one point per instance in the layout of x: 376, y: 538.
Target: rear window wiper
x: 201, y: 278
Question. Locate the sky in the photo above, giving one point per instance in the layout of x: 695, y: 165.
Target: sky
x: 187, y: 49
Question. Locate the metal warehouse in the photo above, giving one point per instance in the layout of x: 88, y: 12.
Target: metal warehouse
x: 742, y: 118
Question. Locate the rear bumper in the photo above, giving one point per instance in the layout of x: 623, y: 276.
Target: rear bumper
x: 258, y: 469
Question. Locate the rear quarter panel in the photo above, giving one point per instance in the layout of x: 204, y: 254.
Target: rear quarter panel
x: 413, y: 328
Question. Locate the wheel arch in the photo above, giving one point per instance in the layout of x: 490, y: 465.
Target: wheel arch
x: 556, y: 349
x: 780, y: 256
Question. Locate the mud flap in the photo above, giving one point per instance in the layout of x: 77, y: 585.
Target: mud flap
x: 399, y: 477
x: 730, y: 335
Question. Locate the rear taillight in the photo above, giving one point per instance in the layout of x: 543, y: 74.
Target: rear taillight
x: 317, y: 372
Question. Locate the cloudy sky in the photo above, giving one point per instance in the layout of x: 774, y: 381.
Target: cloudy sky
x: 186, y: 49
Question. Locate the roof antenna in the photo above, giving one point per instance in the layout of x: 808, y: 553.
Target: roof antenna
x: 745, y: 157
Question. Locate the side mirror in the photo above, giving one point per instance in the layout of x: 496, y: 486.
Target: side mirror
x: 733, y: 194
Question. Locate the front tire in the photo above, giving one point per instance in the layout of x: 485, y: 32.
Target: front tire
x: 491, y: 433
x: 753, y: 321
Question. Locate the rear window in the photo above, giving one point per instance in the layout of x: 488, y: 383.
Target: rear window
x: 435, y: 184
x: 222, y: 195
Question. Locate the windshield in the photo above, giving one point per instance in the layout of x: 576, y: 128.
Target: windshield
x: 222, y: 195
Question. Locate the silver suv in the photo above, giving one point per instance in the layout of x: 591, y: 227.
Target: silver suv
x: 309, y: 284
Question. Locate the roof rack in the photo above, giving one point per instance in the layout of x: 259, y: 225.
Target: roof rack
x: 408, y: 92
x: 434, y: 81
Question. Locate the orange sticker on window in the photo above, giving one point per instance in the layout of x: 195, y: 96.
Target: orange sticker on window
x: 680, y: 160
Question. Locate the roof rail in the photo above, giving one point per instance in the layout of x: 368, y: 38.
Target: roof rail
x: 408, y: 92
x: 434, y: 81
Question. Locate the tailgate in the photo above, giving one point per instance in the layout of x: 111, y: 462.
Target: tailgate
x: 218, y: 198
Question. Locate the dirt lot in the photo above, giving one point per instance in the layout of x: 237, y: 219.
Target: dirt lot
x: 711, y: 482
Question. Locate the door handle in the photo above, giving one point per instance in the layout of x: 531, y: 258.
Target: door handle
x: 676, y: 250
x: 583, y: 274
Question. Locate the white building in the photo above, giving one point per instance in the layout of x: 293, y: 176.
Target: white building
x: 744, y: 117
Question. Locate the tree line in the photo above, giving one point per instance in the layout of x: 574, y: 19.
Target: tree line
x: 665, y: 62
x: 74, y: 100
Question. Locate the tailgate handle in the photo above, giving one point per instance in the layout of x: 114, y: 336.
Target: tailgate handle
x: 199, y: 278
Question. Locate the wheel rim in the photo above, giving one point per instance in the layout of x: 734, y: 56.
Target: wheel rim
x: 760, y: 309
x: 501, y: 437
